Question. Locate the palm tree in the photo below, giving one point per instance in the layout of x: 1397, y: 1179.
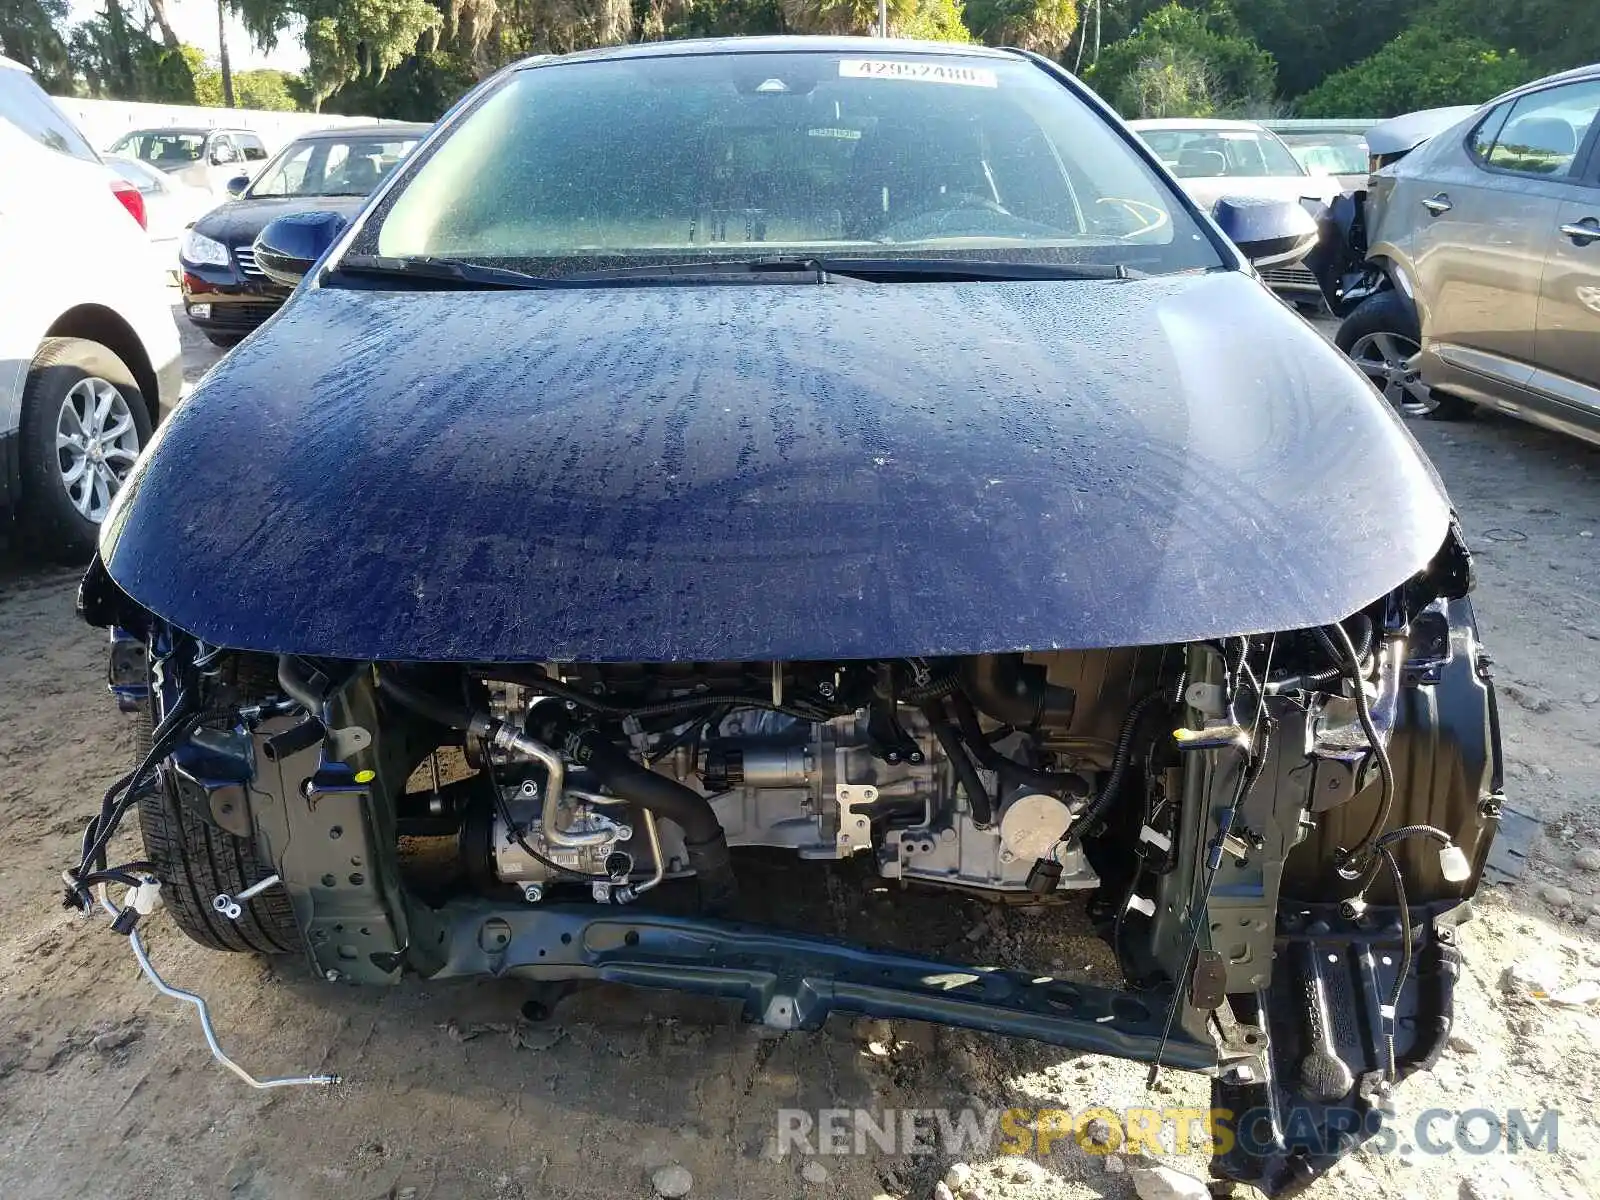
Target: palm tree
x: 222, y: 54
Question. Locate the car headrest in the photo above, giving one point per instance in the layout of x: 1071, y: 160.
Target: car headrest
x: 1202, y: 163
x: 1545, y: 135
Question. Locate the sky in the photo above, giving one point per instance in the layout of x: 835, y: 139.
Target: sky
x: 195, y: 22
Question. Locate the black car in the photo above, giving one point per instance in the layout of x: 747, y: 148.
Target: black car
x: 334, y: 170
x: 800, y: 488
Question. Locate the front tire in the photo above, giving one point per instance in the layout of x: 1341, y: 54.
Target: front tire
x: 1383, y: 337
x: 225, y: 340
x: 196, y: 861
x: 84, y: 422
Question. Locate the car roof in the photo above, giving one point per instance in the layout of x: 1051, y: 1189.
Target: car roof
x: 13, y: 64
x: 1194, y: 123
x: 388, y: 129
x: 789, y: 44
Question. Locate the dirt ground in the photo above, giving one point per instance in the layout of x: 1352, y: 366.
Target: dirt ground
x: 106, y: 1088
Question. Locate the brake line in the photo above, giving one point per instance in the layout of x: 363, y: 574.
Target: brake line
x: 166, y: 989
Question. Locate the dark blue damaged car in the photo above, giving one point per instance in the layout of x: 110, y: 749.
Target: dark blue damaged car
x: 712, y: 479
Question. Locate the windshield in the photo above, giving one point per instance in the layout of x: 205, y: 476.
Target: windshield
x: 331, y: 167
x: 163, y: 148
x: 1329, y: 153
x: 585, y: 165
x: 1220, y: 151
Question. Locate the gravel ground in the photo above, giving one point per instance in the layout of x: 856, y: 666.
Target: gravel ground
x: 106, y: 1089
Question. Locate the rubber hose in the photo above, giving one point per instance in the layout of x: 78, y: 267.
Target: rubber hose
x: 995, y: 684
x: 1009, y: 770
x: 703, y: 836
x: 1097, y: 807
x: 438, y: 710
x: 978, y: 798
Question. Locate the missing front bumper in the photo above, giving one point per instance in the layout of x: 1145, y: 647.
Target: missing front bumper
x: 794, y: 981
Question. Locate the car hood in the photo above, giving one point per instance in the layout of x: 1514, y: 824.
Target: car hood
x: 1408, y: 131
x: 773, y: 472
x: 237, y: 222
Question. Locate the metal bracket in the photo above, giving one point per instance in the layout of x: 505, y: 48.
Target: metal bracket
x: 855, y: 829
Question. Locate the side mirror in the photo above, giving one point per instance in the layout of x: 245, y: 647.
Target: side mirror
x: 222, y: 155
x: 237, y: 185
x: 289, y: 247
x: 1270, y: 233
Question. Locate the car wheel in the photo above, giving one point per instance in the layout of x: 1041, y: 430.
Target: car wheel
x: 84, y: 422
x: 196, y: 862
x: 224, y: 340
x: 1383, y: 338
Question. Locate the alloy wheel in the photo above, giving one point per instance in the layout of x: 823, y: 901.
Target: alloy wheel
x: 1393, y: 362
x: 96, y: 445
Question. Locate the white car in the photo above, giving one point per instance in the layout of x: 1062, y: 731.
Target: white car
x: 202, y: 158
x: 170, y: 206
x: 89, y: 356
x: 1215, y: 158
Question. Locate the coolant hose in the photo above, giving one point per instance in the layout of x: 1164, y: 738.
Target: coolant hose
x: 703, y: 836
x: 1102, y: 802
x: 424, y: 703
x: 978, y: 799
x: 1011, y: 772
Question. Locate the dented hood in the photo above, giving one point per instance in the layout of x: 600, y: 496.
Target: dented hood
x: 773, y: 472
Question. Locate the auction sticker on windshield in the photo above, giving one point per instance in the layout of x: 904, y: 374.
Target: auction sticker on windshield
x: 918, y: 71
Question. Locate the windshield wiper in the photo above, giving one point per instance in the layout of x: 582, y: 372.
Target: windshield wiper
x: 441, y: 272
x: 452, y: 272
x: 875, y: 270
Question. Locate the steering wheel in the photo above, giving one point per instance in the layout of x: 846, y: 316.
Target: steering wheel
x: 1149, y: 217
x: 947, y: 210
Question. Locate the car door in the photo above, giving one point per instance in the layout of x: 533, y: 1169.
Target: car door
x: 223, y: 162
x: 1566, y: 374
x: 1478, y: 247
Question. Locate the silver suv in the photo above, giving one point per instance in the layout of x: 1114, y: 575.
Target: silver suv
x: 1488, y: 240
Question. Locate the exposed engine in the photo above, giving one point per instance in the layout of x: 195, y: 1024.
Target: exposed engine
x: 962, y: 773
x: 824, y: 789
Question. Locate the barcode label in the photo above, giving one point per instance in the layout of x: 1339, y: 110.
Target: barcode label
x: 917, y: 71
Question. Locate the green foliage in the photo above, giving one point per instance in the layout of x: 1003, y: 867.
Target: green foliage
x: 419, y: 89
x: 111, y: 59
x: 1425, y: 67
x: 346, y: 39
x: 933, y: 21
x: 30, y: 33
x: 412, y: 58
x: 1195, y: 60
x: 1043, y: 25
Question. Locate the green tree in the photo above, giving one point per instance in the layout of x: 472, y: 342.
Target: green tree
x: 419, y: 89
x: 30, y: 33
x: 114, y: 59
x: 1425, y: 67
x: 1043, y: 25
x: 1176, y: 52
x: 940, y: 20
x: 346, y: 39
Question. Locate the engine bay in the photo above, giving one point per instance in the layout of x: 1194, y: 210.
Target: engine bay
x: 1270, y: 833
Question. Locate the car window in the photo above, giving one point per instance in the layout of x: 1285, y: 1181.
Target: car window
x: 1329, y: 153
x: 569, y: 167
x: 1482, y: 138
x: 252, y: 147
x: 24, y: 104
x: 1220, y: 151
x: 1542, y: 130
x: 331, y: 167
x: 168, y: 149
